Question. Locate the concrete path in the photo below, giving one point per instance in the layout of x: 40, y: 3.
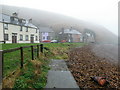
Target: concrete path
x: 59, y: 76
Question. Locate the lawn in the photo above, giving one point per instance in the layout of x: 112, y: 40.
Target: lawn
x: 12, y: 61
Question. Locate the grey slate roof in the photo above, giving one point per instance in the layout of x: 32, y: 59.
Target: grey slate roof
x: 72, y: 31
x: 8, y: 20
x: 45, y: 29
x: 5, y: 17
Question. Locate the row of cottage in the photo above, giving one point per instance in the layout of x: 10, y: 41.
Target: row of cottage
x: 18, y: 30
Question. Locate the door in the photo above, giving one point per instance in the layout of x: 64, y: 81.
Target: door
x: 32, y: 39
x: 14, y: 37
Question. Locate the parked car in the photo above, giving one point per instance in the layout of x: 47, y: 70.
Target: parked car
x: 47, y: 41
x: 63, y: 41
x: 54, y: 41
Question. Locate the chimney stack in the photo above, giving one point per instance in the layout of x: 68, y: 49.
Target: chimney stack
x: 30, y: 20
x: 15, y: 14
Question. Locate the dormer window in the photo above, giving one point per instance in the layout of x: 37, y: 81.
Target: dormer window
x: 20, y: 20
x: 16, y: 19
x: 12, y: 18
x: 23, y: 21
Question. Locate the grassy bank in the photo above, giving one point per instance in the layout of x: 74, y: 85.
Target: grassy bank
x: 29, y: 77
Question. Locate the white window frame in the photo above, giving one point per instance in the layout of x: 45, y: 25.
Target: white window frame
x: 6, y: 26
x: 21, y: 37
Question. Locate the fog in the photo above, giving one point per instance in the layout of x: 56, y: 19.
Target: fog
x: 106, y: 41
x: 58, y: 21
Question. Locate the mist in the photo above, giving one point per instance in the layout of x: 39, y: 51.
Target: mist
x: 57, y: 22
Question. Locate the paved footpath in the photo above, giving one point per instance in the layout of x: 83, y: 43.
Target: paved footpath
x: 59, y: 76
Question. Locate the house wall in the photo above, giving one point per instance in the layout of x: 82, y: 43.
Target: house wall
x: 16, y: 29
x: 90, y: 39
x: 76, y: 37
x: 1, y: 31
x: 51, y: 34
x: 45, y: 35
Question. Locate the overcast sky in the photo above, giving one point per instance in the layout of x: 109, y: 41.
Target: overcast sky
x: 102, y: 12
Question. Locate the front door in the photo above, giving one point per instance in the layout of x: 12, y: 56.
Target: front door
x: 14, y: 37
x: 32, y: 38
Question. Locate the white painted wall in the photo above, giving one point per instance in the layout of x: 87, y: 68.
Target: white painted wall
x: 1, y: 31
x: 16, y: 29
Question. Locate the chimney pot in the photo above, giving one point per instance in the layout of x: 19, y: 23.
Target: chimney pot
x: 15, y: 14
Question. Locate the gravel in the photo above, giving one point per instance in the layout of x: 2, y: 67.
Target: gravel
x: 84, y: 63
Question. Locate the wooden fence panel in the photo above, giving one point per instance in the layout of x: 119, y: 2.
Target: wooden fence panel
x: 32, y: 52
x: 41, y: 48
x: 22, y: 58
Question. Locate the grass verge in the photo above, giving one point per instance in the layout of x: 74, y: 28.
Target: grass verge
x: 33, y: 75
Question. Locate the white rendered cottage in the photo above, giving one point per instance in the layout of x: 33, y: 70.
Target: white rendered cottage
x: 17, y: 30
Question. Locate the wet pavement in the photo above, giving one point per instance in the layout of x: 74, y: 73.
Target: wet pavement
x: 59, y: 76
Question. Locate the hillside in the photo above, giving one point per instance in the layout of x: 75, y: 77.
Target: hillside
x: 57, y: 21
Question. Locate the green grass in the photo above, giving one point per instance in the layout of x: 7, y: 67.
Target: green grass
x: 12, y: 62
x: 61, y: 50
x: 12, y: 59
x: 28, y: 78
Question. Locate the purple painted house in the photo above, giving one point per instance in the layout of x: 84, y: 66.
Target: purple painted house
x: 46, y: 33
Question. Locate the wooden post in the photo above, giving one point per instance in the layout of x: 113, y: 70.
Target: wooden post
x: 32, y: 52
x: 38, y: 51
x: 21, y: 51
x: 41, y: 48
x: 1, y: 67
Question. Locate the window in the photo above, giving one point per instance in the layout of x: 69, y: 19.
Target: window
x: 5, y: 26
x: 36, y: 30
x: 23, y: 21
x: 26, y: 37
x: 48, y: 37
x: 20, y: 28
x: 12, y: 18
x: 36, y: 38
x: 43, y: 37
x: 5, y: 36
x: 21, y: 37
x: 20, y: 20
x: 16, y: 19
x: 26, y: 29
